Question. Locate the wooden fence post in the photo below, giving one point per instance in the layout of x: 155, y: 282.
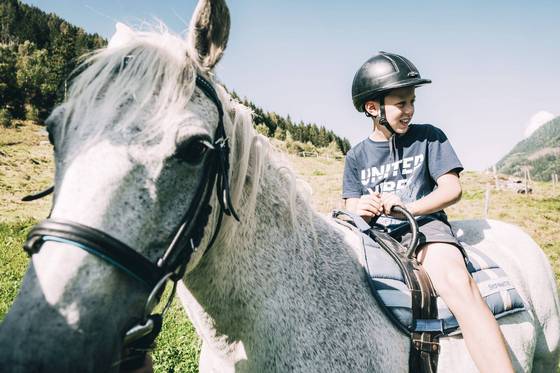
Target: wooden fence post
x: 486, y: 202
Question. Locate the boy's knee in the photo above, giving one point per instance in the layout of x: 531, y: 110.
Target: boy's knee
x: 457, y: 286
x: 449, y: 274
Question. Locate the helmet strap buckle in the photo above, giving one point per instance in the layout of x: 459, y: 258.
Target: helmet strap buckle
x: 382, y: 116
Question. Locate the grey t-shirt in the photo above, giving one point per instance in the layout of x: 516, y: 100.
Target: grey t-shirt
x: 410, y: 169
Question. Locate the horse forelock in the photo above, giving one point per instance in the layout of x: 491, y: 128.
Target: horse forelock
x: 140, y: 87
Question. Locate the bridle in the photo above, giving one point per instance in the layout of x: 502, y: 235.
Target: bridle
x: 172, y: 264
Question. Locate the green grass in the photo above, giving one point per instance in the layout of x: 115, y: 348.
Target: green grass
x: 538, y: 214
x: 178, y: 346
x: 473, y: 195
x: 13, y: 261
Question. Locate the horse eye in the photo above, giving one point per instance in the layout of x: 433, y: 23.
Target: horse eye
x: 51, y: 137
x: 193, y: 151
x: 50, y: 132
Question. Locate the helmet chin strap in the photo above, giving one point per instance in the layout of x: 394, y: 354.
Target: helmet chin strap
x: 383, y: 119
x: 382, y: 116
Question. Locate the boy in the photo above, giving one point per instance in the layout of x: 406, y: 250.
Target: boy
x: 414, y: 166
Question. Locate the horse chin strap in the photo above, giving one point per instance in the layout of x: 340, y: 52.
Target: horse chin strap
x: 171, y: 266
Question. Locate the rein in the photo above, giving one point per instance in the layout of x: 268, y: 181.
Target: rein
x: 172, y: 264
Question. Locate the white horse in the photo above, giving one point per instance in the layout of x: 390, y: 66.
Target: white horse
x: 281, y: 290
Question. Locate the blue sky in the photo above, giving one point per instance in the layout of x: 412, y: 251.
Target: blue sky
x: 494, y: 64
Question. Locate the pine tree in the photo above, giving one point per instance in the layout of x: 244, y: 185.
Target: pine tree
x: 11, y: 98
x: 63, y: 57
x: 35, y: 79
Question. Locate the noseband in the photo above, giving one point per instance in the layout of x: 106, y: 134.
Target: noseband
x: 172, y: 264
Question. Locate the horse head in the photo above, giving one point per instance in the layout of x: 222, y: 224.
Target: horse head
x: 142, y: 180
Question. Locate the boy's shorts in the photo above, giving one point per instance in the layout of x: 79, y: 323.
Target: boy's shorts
x: 431, y: 230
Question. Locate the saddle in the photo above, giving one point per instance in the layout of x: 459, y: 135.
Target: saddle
x: 406, y: 295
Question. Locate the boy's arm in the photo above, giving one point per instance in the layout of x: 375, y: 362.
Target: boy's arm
x: 446, y: 194
x: 351, y: 204
x: 367, y: 205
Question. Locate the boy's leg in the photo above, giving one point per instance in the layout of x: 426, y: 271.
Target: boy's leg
x: 446, y: 267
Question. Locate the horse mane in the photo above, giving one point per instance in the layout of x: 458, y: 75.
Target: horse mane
x: 254, y: 155
x: 151, y: 67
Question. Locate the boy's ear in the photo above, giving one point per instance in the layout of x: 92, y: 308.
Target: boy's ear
x: 372, y: 108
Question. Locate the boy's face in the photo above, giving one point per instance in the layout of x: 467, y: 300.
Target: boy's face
x: 399, y: 108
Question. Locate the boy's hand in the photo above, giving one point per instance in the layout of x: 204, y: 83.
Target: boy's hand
x: 369, y: 205
x: 388, y: 200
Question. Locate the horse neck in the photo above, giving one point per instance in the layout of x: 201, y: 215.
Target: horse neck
x: 275, y: 219
x: 281, y: 248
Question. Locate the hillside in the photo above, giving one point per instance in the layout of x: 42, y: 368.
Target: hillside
x: 540, y: 153
x: 38, y: 52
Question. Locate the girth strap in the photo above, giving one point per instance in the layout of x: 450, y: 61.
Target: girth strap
x: 424, y: 348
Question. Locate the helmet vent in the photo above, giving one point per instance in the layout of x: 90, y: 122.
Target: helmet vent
x: 412, y: 74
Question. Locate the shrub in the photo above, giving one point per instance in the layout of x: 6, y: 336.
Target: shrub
x: 279, y: 134
x: 331, y: 151
x: 5, y: 118
x: 294, y: 147
x: 262, y: 129
x: 309, y: 147
x: 31, y: 113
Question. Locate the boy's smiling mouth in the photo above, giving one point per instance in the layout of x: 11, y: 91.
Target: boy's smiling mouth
x: 405, y: 121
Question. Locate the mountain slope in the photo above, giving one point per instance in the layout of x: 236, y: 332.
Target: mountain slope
x: 44, y: 49
x: 540, y: 153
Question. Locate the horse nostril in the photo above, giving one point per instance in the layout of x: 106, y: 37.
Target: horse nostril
x: 193, y: 150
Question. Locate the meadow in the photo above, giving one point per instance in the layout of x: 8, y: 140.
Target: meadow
x: 26, y: 166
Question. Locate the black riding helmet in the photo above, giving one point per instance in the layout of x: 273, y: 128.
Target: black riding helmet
x: 379, y: 75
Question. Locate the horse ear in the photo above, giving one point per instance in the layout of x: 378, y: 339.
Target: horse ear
x: 208, y: 32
